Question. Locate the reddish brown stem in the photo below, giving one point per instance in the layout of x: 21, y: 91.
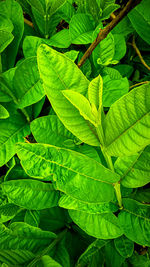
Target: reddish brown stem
x: 104, y: 32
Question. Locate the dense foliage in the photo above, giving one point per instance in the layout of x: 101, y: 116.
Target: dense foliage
x: 74, y: 142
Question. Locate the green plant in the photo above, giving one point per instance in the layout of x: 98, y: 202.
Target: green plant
x: 75, y: 172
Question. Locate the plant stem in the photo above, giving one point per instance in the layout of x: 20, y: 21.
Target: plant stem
x: 118, y: 194
x: 25, y: 113
x: 28, y: 22
x: 139, y: 54
x: 48, y: 249
x: 104, y: 32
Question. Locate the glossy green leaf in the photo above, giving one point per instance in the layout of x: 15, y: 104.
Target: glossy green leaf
x: 81, y: 28
x: 23, y: 236
x: 135, y: 222
x: 9, y: 209
x: 95, y: 91
x: 13, y: 11
x: 4, y: 114
x: 112, y: 256
x: 134, y: 170
x: 140, y: 19
x: 32, y: 217
x: 60, y: 73
x: 31, y: 44
x: 76, y: 174
x: 13, y: 130
x: 120, y: 46
x: 82, y: 104
x: 127, y: 124
x: 124, y: 246
x: 15, y: 257
x: 6, y: 36
x: 47, y: 261
x: 93, y: 249
x: 50, y: 130
x: 104, y: 226
x: 61, y: 39
x: 104, y: 52
x: 113, y: 89
x: 31, y: 194
x: 71, y: 203
x: 27, y: 85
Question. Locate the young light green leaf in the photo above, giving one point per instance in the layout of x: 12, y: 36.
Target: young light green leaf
x: 31, y: 194
x: 135, y: 221
x: 13, y: 130
x: 4, y: 114
x: 24, y: 236
x: 90, y: 181
x: 104, y: 226
x: 82, y: 104
x: 95, y: 91
x: 81, y: 28
x: 71, y: 203
x: 124, y: 246
x: 129, y: 132
x: 27, y: 86
x: 134, y: 170
x: 59, y: 73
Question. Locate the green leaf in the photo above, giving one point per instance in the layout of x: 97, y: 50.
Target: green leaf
x: 27, y: 85
x: 82, y: 104
x: 140, y: 19
x: 13, y: 11
x: 120, y: 46
x: 4, y: 114
x: 23, y: 236
x: 37, y: 4
x: 32, y: 217
x: 15, y: 257
x: 113, y: 89
x: 135, y: 222
x: 112, y: 256
x: 31, y: 44
x: 31, y: 194
x: 134, y: 170
x: 110, y: 8
x: 95, y: 91
x: 103, y: 54
x: 104, y: 226
x: 13, y: 130
x: 71, y: 203
x: 124, y: 246
x: 60, y: 73
x: 9, y: 209
x: 61, y: 39
x: 47, y: 261
x: 81, y: 28
x: 127, y: 124
x: 6, y: 36
x: 60, y: 254
x: 75, y: 174
x: 50, y: 130
x: 93, y: 249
